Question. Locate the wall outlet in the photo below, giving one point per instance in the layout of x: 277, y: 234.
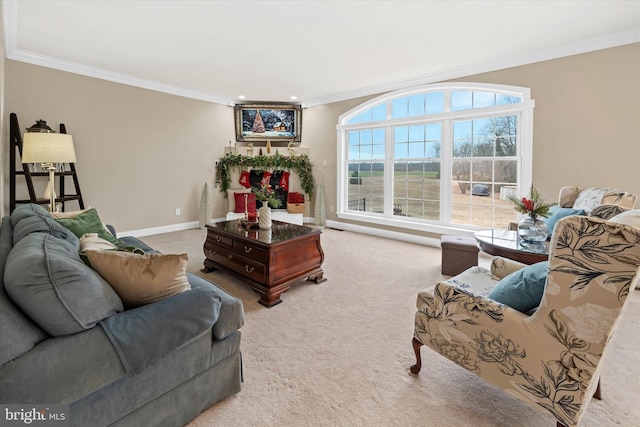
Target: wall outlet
x: 333, y: 209
x: 177, y: 211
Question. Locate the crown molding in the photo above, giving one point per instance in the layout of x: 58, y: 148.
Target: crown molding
x: 560, y: 51
x: 99, y: 73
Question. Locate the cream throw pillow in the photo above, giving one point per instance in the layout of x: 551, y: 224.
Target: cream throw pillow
x: 91, y: 241
x: 141, y: 279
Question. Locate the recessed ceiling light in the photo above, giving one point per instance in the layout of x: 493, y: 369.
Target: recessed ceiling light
x: 240, y: 96
x: 294, y: 97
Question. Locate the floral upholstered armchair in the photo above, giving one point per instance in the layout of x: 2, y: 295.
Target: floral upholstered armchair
x: 552, y: 358
x: 600, y: 202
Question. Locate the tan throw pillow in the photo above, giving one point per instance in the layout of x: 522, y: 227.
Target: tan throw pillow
x: 71, y: 214
x: 141, y: 279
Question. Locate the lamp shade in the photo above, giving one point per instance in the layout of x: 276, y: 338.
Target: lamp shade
x: 48, y: 148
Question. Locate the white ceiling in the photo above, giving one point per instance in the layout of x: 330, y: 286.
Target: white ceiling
x: 319, y: 51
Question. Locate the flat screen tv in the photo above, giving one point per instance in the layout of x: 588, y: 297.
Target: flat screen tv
x: 268, y: 122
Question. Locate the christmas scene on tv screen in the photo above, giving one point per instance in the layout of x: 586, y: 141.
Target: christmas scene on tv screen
x: 268, y: 123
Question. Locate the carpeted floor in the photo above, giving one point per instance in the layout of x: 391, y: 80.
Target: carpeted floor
x: 338, y: 353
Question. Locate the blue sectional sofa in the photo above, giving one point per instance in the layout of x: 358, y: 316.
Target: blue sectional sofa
x: 66, y: 338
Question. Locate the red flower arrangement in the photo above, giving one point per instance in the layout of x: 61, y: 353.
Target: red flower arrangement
x: 533, y: 206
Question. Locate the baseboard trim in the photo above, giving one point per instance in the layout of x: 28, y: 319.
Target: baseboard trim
x: 160, y: 230
x: 411, y: 238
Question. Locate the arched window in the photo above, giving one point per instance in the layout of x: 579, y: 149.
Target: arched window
x: 436, y: 157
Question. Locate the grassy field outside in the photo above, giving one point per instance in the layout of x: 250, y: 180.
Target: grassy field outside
x: 420, y: 199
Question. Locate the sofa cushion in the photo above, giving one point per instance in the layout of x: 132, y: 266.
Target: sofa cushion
x: 556, y: 213
x: 89, y: 222
x: 32, y: 218
x: 141, y: 279
x: 145, y: 334
x: 57, y: 290
x: 522, y: 289
x: 630, y: 217
x: 19, y: 334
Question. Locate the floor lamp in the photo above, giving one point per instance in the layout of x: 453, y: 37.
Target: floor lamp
x: 50, y: 149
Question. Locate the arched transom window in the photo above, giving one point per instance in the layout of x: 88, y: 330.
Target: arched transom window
x: 436, y: 157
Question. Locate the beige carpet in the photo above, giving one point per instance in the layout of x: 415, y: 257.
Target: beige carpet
x: 338, y: 353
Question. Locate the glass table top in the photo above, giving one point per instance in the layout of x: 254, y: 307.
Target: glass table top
x: 509, y: 239
x: 279, y: 231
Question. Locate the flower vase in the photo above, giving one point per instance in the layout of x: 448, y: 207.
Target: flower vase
x: 264, y: 217
x: 532, y: 230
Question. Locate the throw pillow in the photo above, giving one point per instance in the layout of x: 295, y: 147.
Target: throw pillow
x: 251, y: 202
x: 91, y: 241
x: 232, y: 199
x: 631, y: 217
x: 45, y: 277
x: 70, y: 214
x: 522, y: 290
x: 141, y: 279
x: 556, y: 213
x: 89, y: 222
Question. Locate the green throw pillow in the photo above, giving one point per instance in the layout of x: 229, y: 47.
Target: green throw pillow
x: 89, y: 222
x: 522, y: 290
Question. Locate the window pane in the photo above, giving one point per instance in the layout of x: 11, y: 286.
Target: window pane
x: 400, y: 108
x: 435, y: 102
x: 378, y: 136
x: 401, y: 134
x: 483, y: 99
x: 416, y: 133
x: 461, y: 100
x: 507, y: 99
x: 416, y: 105
x: 380, y: 112
x: 416, y: 150
x: 506, y: 171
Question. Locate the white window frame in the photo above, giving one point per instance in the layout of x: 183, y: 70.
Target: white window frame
x: 523, y: 110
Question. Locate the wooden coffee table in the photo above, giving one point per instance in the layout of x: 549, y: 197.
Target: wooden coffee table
x: 270, y: 260
x: 506, y: 243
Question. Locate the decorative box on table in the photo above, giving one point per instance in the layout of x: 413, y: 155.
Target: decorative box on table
x: 295, y: 203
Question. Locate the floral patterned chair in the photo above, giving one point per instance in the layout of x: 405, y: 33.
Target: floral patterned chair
x: 596, y: 201
x: 552, y: 358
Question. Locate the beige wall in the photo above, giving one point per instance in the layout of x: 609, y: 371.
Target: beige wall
x: 587, y: 109
x: 142, y: 154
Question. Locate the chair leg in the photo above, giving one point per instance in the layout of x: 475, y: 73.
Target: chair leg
x: 598, y: 393
x: 416, y: 349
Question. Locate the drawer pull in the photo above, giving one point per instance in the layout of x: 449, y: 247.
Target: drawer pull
x: 218, y: 239
x: 248, y: 270
x: 212, y: 253
x: 247, y: 249
x: 230, y: 256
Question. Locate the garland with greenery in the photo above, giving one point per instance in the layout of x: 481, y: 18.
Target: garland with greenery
x: 301, y: 165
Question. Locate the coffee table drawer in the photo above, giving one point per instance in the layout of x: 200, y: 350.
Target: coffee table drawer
x: 238, y: 263
x: 220, y: 240
x: 250, y: 251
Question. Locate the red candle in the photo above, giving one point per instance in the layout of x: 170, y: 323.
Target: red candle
x: 252, y: 216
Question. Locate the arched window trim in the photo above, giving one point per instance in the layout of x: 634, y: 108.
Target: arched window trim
x: 525, y: 145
